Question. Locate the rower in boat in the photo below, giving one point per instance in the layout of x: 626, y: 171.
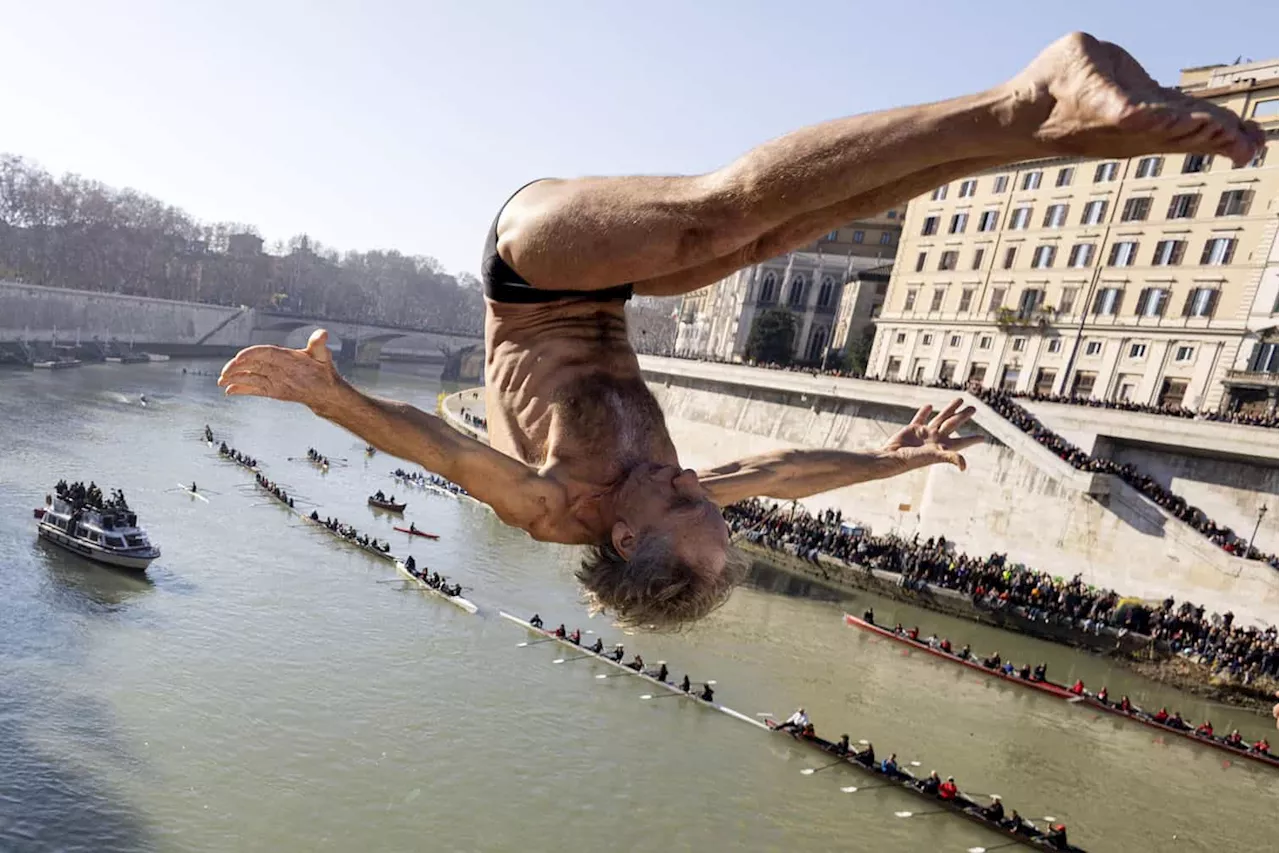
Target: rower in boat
x: 914, y: 633
x: 1205, y: 729
x: 708, y: 695
x: 1125, y: 705
x: 945, y: 645
x: 560, y: 632
x: 889, y: 766
x: 1176, y: 722
x: 1056, y: 836
x: 929, y: 785
x: 898, y: 629
x: 1039, y: 674
x: 1015, y: 823
x: 637, y: 664
x: 409, y: 564
x: 194, y: 490
x: 617, y: 653
x: 1261, y: 746
x: 685, y: 685
x: 536, y: 621
x: 315, y: 516
x: 1234, y: 739
x: 995, y: 811
x: 1007, y: 668
x: 1078, y: 687
x: 842, y: 746
x: 964, y: 653
x: 576, y: 637
x: 1102, y: 694
x: 597, y: 647
x: 1162, y: 717
x: 992, y: 662
x: 795, y: 722
x: 379, y: 496
x: 1025, y: 672
x: 869, y: 616
x: 866, y: 756
x: 661, y: 672
x: 809, y: 732
x: 948, y: 790
x: 413, y: 528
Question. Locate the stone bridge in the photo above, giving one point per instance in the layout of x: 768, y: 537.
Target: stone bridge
x: 33, y: 314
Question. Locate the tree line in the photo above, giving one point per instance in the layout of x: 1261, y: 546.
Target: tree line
x: 78, y: 233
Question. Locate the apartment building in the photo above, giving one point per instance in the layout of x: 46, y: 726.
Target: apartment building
x: 715, y: 322
x: 1151, y: 279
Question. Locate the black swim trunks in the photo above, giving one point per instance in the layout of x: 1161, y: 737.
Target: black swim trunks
x: 503, y: 284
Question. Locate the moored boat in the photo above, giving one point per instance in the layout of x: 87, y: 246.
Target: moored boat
x: 1061, y: 691
x: 106, y: 533
x: 57, y: 364
x: 455, y: 600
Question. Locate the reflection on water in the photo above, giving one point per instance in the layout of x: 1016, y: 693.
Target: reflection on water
x: 104, y: 586
x: 768, y: 578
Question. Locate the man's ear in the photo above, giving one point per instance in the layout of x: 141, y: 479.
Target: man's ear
x: 624, y: 539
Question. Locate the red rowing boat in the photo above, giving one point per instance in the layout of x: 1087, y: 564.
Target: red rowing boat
x: 421, y: 533
x: 1061, y: 691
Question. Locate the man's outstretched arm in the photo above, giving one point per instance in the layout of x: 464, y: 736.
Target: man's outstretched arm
x: 517, y: 493
x: 790, y: 474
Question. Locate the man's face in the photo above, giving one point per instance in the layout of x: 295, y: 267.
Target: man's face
x: 670, y: 502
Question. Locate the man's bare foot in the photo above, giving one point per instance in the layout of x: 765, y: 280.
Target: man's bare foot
x: 1087, y: 97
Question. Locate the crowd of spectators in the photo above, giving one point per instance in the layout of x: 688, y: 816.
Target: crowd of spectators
x: 993, y: 582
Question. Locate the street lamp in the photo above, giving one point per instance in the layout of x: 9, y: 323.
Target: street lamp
x: 1262, y: 510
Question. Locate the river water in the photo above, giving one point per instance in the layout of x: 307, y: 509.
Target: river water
x: 261, y: 689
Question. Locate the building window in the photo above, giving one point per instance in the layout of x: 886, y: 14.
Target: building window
x: 929, y: 227
x: 1258, y: 159
x: 1093, y: 212
x: 1067, y: 299
x: 1201, y: 302
x: 1019, y: 344
x: 1021, y: 218
x: 968, y: 187
x: 1137, y: 350
x: 832, y: 237
x: 1267, y: 108
x: 1234, y: 203
x: 1031, y: 180
x: 1168, y: 253
x: 1105, y: 173
x: 1149, y: 167
x: 893, y: 368
x: 1042, y: 258
x: 767, y: 287
x: 1055, y: 216
x: 817, y: 343
x: 892, y: 214
x: 1184, y: 205
x: 947, y: 371
x: 910, y: 302
x: 859, y: 236
x: 1092, y: 347
x: 988, y: 219
x: 1152, y: 301
x: 826, y: 291
x: 1196, y: 163
x: 921, y: 259
x: 984, y: 342
x: 997, y: 299
x: 1001, y: 184
x: 966, y: 299
x: 1184, y: 354
x: 1055, y: 345
x: 1107, y: 302
x: 1218, y: 252
x: 798, y: 290
x: 1010, y: 255
x: 900, y: 338
x: 958, y: 222
x: 1135, y: 210
x: 1081, y: 255
x: 1263, y: 359
x: 948, y: 259
x: 1064, y: 177
x: 939, y: 194
x: 1122, y: 254
x: 886, y: 238
x: 1029, y: 301
x: 977, y: 258
x: 926, y: 340
x: 935, y: 302
x: 955, y: 341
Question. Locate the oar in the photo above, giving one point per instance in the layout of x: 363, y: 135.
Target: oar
x: 997, y: 847
x: 647, y: 696
x: 853, y: 789
x: 682, y: 693
x: 918, y: 814
x: 809, y: 771
x: 536, y: 642
x: 579, y: 657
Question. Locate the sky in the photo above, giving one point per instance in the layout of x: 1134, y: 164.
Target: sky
x: 407, y: 125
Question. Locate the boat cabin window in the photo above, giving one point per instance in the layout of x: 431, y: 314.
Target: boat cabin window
x: 115, y: 541
x: 82, y: 531
x: 94, y: 537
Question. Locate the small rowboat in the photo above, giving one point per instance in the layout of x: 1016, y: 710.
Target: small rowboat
x: 1061, y: 691
x: 962, y: 805
x: 387, y: 505
x: 416, y: 532
x: 455, y: 600
x: 187, y: 489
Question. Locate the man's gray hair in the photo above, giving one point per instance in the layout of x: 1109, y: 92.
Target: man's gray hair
x: 655, y: 588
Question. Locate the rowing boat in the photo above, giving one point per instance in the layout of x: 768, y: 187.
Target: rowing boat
x: 962, y: 805
x: 416, y: 532
x: 187, y: 489
x: 1061, y: 691
x: 387, y: 505
x: 371, y: 551
x: 455, y: 600
x: 644, y: 676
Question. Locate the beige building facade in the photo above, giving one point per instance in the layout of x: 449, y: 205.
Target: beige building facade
x: 811, y: 283
x: 1151, y: 280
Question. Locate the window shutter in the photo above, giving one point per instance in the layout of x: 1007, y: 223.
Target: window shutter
x: 1213, y: 303
x: 1231, y: 251
x: 1189, y: 302
x: 1204, y: 256
x: 1222, y: 203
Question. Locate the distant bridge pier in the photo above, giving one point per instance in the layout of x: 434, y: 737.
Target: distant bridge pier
x: 356, y: 353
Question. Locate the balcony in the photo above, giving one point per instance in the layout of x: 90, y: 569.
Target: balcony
x: 1010, y: 319
x: 1252, y: 378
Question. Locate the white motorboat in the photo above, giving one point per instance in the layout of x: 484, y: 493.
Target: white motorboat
x: 109, y: 535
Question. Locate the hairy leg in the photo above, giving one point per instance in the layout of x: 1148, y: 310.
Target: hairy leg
x: 1080, y: 97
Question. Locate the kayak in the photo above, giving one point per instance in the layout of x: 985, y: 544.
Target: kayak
x: 421, y: 533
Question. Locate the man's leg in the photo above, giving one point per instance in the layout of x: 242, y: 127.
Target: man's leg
x: 1079, y: 97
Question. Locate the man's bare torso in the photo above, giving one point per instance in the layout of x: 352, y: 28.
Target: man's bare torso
x: 564, y: 395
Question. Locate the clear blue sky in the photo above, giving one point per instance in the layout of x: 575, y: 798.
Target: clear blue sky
x: 406, y: 125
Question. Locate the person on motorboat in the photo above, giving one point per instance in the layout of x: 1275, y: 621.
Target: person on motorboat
x: 379, y: 496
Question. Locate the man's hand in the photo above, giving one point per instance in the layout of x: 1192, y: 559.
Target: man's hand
x: 305, y: 376
x: 927, y: 441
